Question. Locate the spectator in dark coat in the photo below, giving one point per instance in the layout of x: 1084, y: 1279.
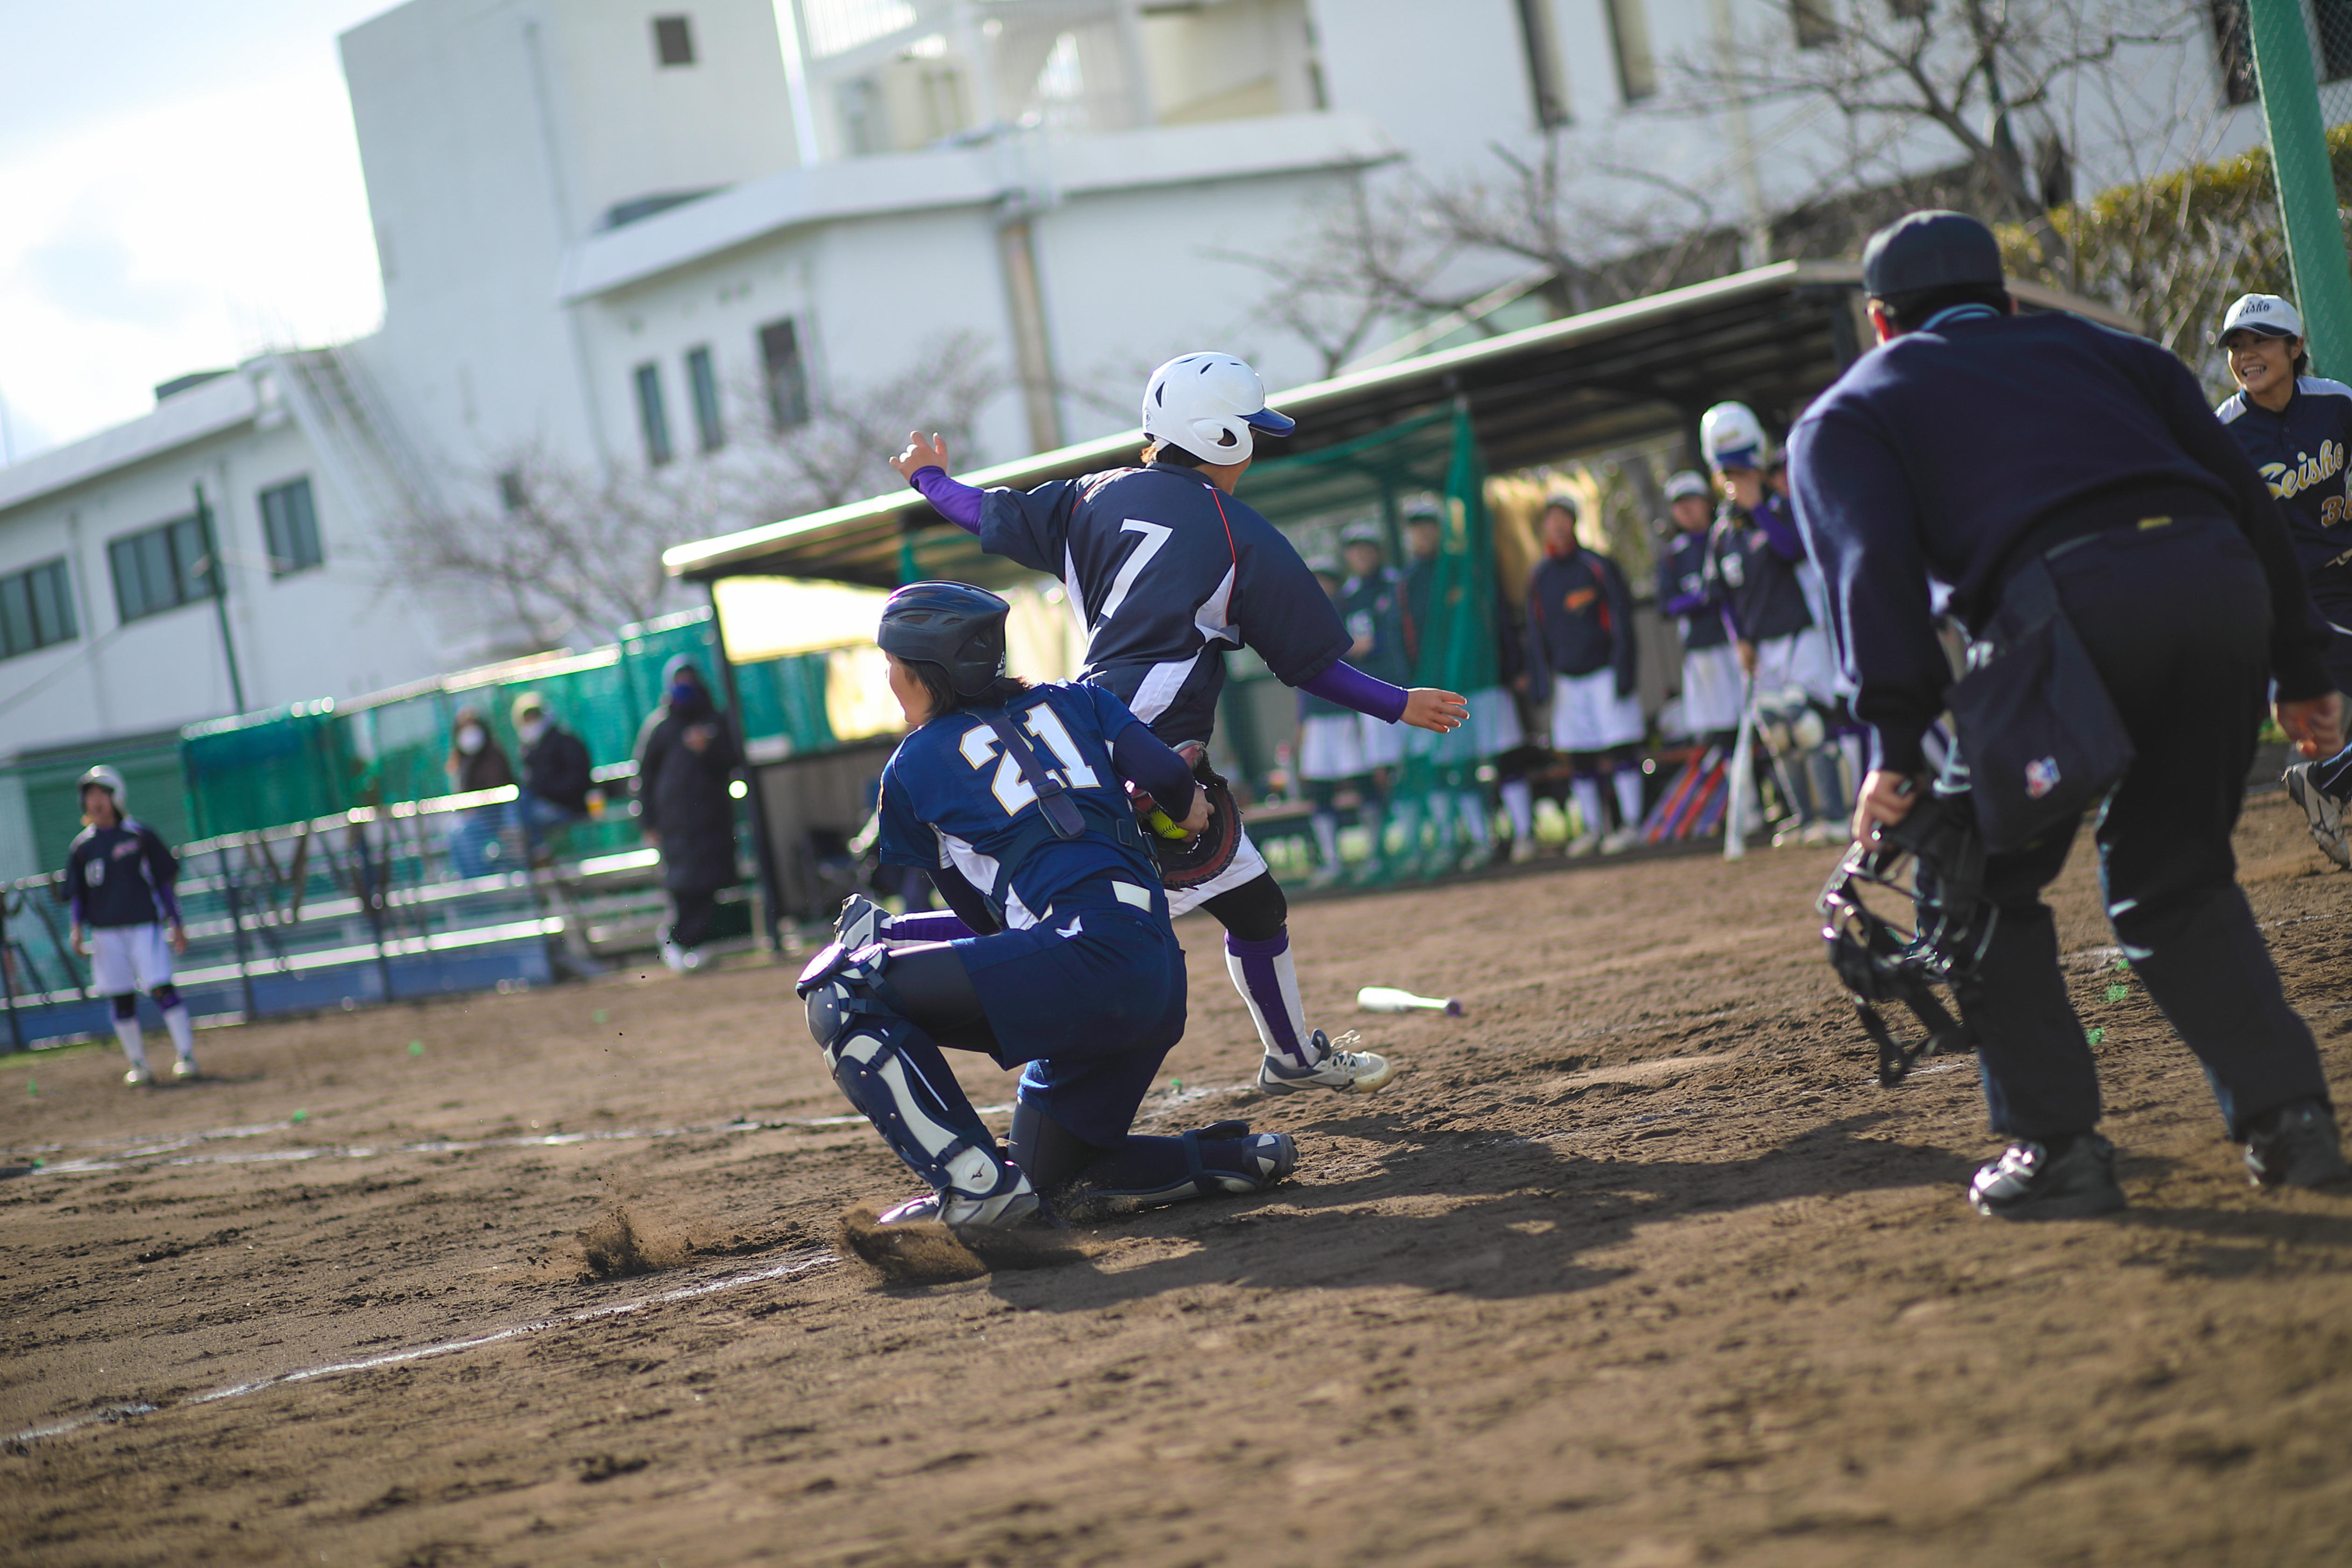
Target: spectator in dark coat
x: 687, y: 758
x: 476, y: 761
x: 556, y: 774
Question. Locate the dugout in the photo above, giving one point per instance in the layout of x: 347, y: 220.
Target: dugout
x: 1433, y: 424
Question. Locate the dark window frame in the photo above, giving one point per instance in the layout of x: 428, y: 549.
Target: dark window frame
x: 1634, y: 85
x: 2331, y: 21
x: 160, y: 568
x: 702, y: 389
x: 1547, y: 73
x: 36, y: 608
x: 2233, y: 51
x: 1815, y: 21
x: 673, y: 41
x: 653, y: 414
x: 783, y: 368
x: 289, y: 533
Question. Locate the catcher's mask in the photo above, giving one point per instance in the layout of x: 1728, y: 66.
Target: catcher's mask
x: 1191, y: 859
x: 1934, y: 860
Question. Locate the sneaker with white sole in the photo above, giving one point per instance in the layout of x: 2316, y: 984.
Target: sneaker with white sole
x: 2323, y: 811
x: 1623, y: 839
x: 2296, y: 1146
x: 1014, y: 1206
x: 1335, y: 1067
x: 2029, y: 1181
x: 674, y: 956
x: 140, y: 1076
x: 184, y: 1067
x: 861, y: 924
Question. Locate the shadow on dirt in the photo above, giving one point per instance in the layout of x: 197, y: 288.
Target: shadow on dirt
x: 1521, y: 1215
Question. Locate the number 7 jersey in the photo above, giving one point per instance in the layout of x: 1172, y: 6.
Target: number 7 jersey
x: 1165, y: 573
x: 951, y: 797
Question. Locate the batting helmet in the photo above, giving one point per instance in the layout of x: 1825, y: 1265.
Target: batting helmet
x: 1933, y: 858
x: 1686, y: 482
x: 1732, y: 438
x: 107, y: 779
x: 1211, y: 405
x: 954, y: 625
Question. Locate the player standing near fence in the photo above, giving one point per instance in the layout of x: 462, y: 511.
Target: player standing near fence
x: 1165, y: 572
x: 1583, y: 654
x: 118, y: 885
x: 2297, y: 428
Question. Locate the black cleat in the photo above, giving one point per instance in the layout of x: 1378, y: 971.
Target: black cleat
x: 2030, y: 1182
x: 2322, y: 811
x: 2296, y: 1146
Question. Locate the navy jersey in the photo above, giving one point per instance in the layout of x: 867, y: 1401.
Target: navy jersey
x: 1165, y: 573
x: 1373, y: 611
x: 2300, y: 453
x: 1579, y: 618
x: 1937, y: 453
x: 121, y: 876
x: 950, y: 797
x: 1688, y: 591
x: 1754, y: 557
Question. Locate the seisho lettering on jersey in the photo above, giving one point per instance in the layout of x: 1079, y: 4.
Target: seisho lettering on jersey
x: 2288, y: 480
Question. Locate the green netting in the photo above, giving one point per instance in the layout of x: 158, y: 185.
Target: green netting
x: 149, y: 766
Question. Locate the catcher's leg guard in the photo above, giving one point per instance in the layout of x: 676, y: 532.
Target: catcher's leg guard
x: 894, y: 1076
x: 1225, y: 1157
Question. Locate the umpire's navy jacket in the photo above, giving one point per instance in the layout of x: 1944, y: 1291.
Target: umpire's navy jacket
x: 1936, y: 455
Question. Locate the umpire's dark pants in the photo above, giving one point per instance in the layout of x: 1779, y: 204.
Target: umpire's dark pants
x: 2178, y: 620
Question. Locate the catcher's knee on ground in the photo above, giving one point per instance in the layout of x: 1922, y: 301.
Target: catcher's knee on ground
x: 891, y: 1070
x: 1080, y: 1177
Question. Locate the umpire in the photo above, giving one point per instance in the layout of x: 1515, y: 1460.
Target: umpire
x: 1971, y: 442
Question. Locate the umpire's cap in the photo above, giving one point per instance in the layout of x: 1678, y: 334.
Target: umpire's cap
x: 1929, y: 250
x: 955, y: 625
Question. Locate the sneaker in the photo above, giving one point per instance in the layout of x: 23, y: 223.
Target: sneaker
x: 674, y: 956
x: 1824, y: 832
x: 1522, y: 851
x: 2028, y: 1183
x: 139, y: 1075
x: 1015, y: 1206
x: 1791, y: 832
x: 689, y: 960
x: 2296, y: 1146
x: 2323, y: 811
x: 184, y: 1067
x: 861, y: 924
x: 1341, y: 1071
x: 1620, y: 841
x: 1583, y: 843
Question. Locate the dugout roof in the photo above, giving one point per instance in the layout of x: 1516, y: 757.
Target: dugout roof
x: 1772, y: 336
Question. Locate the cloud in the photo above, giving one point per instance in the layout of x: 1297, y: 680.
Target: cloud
x: 176, y: 236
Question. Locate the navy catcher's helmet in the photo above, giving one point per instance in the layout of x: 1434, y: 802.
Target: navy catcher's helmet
x: 955, y: 625
x: 1934, y: 858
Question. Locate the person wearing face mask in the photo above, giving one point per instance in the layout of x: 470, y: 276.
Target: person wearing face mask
x: 556, y: 774
x: 476, y: 761
x: 686, y: 759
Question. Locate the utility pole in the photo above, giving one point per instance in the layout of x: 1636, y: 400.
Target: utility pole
x: 2306, y: 184
x: 216, y: 570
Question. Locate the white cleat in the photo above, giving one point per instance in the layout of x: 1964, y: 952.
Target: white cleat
x: 185, y: 1068
x: 861, y: 924
x: 1522, y: 851
x: 1581, y: 845
x: 1624, y: 838
x: 1340, y: 1070
x: 1009, y: 1210
x: 140, y: 1076
x: 2322, y: 811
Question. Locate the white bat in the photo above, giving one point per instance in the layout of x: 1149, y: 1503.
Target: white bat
x: 1389, y: 999
x: 1743, y: 759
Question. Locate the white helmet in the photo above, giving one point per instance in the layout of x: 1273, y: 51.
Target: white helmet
x: 109, y: 779
x: 1688, y: 482
x: 1210, y: 404
x: 1731, y: 436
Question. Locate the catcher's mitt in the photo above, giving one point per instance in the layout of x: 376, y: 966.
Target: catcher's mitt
x: 1190, y: 860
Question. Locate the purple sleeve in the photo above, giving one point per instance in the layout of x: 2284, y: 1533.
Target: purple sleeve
x: 931, y: 925
x: 1145, y: 759
x: 951, y: 498
x: 1780, y: 529
x: 1350, y: 688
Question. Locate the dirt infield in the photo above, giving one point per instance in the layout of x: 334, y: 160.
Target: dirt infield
x: 1634, y: 1266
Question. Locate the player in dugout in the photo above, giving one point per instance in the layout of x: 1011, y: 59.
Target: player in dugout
x: 1582, y: 653
x: 1167, y: 571
x: 1059, y: 960
x: 2118, y: 494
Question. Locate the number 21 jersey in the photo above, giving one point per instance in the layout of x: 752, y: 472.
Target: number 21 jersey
x: 951, y: 797
x: 1165, y: 573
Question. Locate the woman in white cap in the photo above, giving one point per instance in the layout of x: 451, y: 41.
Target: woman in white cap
x: 2297, y: 428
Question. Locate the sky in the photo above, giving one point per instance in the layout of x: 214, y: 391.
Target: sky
x: 179, y: 188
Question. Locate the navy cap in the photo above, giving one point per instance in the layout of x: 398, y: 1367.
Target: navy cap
x: 1929, y: 250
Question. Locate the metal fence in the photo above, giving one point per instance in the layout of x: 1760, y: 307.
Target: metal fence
x: 354, y: 909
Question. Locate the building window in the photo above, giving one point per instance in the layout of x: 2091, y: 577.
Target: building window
x: 674, y: 41
x: 513, y: 494
x: 1907, y: 10
x: 1545, y: 79
x: 160, y: 568
x: 709, y: 428
x: 786, y: 372
x: 35, y: 610
x: 1816, y: 22
x: 1629, y: 30
x: 290, y: 524
x: 2233, y: 48
x: 652, y: 418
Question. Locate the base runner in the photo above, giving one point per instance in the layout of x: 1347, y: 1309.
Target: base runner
x: 119, y: 884
x: 1165, y: 572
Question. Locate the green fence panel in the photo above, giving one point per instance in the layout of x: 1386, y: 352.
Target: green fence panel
x: 260, y: 770
x: 149, y: 767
